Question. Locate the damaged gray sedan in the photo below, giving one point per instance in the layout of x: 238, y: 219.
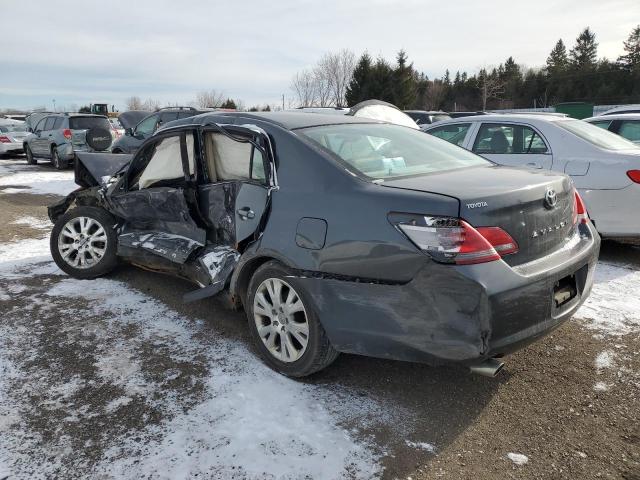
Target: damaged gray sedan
x: 338, y: 234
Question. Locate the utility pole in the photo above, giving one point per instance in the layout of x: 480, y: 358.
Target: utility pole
x: 283, y: 101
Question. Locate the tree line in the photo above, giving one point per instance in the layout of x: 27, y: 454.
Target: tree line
x: 576, y: 74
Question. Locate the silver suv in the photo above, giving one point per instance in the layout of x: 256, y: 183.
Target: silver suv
x: 56, y: 137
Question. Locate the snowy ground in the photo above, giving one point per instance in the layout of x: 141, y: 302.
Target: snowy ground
x: 102, y: 379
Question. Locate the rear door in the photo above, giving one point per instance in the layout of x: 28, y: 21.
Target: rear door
x: 239, y: 176
x: 41, y: 142
x: 514, y: 144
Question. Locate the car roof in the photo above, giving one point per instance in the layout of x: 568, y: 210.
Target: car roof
x: 502, y: 117
x: 430, y: 112
x: 614, y: 116
x: 285, y: 119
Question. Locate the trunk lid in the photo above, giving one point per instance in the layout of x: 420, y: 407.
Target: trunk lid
x: 513, y: 199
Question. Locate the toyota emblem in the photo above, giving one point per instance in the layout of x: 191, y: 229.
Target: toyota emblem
x: 550, y: 198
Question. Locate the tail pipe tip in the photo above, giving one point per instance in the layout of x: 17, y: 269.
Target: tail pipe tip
x: 489, y: 368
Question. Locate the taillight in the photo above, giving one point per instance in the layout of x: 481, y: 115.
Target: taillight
x: 4, y: 139
x: 67, y: 133
x: 579, y: 210
x: 452, y: 240
x: 634, y: 175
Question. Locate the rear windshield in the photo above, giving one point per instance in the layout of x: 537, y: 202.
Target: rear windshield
x: 85, y: 123
x: 596, y: 136
x: 18, y: 127
x: 390, y: 151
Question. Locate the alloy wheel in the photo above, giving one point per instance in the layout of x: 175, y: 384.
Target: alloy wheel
x: 82, y: 242
x: 281, y: 320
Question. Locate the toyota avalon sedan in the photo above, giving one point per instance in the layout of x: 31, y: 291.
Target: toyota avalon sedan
x: 338, y: 234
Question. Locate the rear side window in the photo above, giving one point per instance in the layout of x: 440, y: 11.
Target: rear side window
x: 228, y: 159
x: 508, y: 139
x: 58, y: 123
x: 451, y: 133
x: 630, y: 129
x: 48, y: 125
x: 186, y: 113
x: 85, y: 123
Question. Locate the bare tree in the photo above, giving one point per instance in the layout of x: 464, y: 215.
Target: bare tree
x: 151, y: 104
x: 436, y: 91
x: 133, y: 103
x: 304, y: 87
x: 336, y: 69
x: 490, y: 86
x: 209, y: 99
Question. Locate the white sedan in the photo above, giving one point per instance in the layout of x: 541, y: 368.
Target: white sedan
x: 12, y: 134
x: 605, y: 167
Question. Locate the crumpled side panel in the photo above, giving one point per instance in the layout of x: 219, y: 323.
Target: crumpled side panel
x: 217, y: 204
x: 162, y: 209
x: 219, y: 262
x: 172, y: 247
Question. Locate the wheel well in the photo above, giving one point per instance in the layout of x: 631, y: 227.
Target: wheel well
x: 244, y: 277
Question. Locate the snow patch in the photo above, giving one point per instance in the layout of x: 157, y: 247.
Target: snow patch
x: 35, y: 179
x: 605, y: 360
x: 518, y: 458
x: 421, y: 446
x: 34, y: 222
x: 601, y: 387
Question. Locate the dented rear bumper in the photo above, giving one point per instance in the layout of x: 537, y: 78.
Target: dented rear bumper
x: 461, y: 314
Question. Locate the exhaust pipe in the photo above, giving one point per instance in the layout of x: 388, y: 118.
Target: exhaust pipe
x: 489, y: 368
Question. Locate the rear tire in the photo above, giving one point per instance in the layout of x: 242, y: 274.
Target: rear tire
x: 83, y: 242
x: 31, y: 160
x: 294, y: 344
x: 58, y: 163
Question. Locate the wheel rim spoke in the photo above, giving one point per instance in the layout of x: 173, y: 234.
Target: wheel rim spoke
x: 286, y: 335
x: 82, y: 242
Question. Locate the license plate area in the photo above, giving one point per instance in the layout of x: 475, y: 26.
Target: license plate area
x: 564, y: 291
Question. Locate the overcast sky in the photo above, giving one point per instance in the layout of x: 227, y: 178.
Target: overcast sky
x: 78, y: 52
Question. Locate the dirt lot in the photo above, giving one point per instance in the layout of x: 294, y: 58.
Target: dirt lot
x: 118, y: 378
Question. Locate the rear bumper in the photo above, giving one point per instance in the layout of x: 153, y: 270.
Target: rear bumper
x: 13, y: 147
x: 461, y: 314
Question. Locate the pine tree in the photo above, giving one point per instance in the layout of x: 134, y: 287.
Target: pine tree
x: 404, y: 84
x: 557, y: 61
x: 584, y: 54
x: 358, y: 88
x: 631, y: 60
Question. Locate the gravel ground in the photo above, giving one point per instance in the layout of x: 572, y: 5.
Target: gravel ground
x: 117, y: 378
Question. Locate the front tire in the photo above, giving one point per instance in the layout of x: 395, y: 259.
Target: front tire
x: 83, y: 242
x: 284, y: 325
x: 31, y: 160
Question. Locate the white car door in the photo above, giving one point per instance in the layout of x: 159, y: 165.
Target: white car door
x: 514, y: 144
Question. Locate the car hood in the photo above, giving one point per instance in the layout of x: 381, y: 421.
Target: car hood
x: 131, y: 118
x: 92, y: 169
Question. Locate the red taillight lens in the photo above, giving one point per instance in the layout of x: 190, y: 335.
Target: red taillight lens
x: 503, y: 243
x: 4, y: 139
x: 579, y: 210
x: 634, y: 175
x: 452, y: 240
x: 67, y: 133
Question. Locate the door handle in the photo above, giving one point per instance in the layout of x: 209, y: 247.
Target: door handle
x: 246, y: 213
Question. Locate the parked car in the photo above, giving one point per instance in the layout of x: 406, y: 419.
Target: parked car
x: 623, y: 109
x: 59, y: 136
x: 338, y: 234
x: 12, y: 134
x: 423, y: 117
x: 605, y: 167
x: 117, y: 130
x: 134, y: 136
x: 627, y: 125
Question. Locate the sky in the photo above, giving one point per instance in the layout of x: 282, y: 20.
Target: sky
x: 81, y: 52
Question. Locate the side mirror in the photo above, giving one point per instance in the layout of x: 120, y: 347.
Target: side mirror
x: 128, y: 131
x: 30, y: 130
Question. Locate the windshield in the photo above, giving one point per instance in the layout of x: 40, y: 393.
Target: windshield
x: 18, y: 127
x: 596, y: 136
x: 390, y: 151
x: 85, y: 123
